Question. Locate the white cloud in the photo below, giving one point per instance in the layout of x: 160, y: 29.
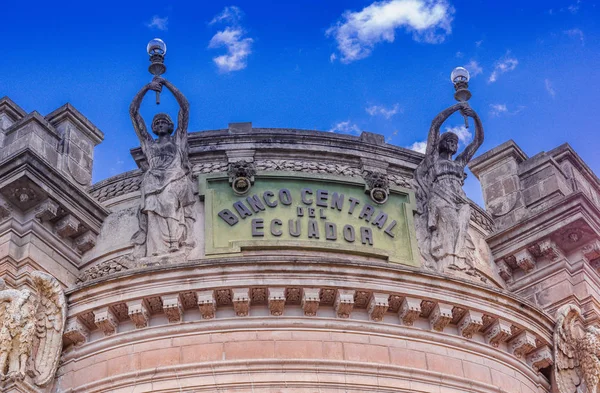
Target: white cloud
x: 498, y: 109
x: 358, y: 32
x: 232, y: 38
x: 230, y: 14
x: 346, y: 127
x: 332, y: 57
x: 474, y: 68
x: 463, y: 133
x: 459, y: 55
x: 418, y: 147
x: 575, y: 33
x: 478, y: 43
x: 375, y: 110
x: 158, y: 23
x: 549, y: 88
x: 238, y: 49
x: 505, y: 64
x: 574, y: 8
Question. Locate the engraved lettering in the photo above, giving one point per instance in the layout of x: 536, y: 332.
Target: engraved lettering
x: 349, y: 233
x: 313, y: 229
x: 330, y: 231
x: 228, y: 217
x: 311, y: 212
x: 257, y: 227
x: 367, y: 212
x: 322, y: 214
x: 388, y: 230
x: 255, y: 203
x: 274, y: 230
x: 267, y: 195
x: 380, y: 220
x: 353, y: 203
x: 285, y: 196
x: 242, y: 210
x: 366, y: 235
x: 337, y: 201
x: 304, y: 196
x: 294, y: 227
x: 322, y: 196
x: 300, y: 211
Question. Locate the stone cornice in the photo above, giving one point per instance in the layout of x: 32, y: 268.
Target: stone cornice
x: 495, y: 155
x: 14, y: 111
x: 268, y: 273
x: 28, y: 163
x: 568, y: 209
x: 68, y: 112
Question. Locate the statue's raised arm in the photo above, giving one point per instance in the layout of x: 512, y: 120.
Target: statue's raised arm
x: 183, y: 117
x: 472, y: 147
x: 138, y: 122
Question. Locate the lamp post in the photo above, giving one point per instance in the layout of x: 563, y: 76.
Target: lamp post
x: 460, y: 78
x: 156, y: 50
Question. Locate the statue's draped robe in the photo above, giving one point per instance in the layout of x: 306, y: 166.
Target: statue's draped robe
x: 449, y: 212
x: 167, y: 199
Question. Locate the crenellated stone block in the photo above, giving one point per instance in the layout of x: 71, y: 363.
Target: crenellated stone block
x: 207, y: 304
x: 138, y: 313
x: 541, y: 358
x: 378, y: 306
x: 47, y: 210
x: 522, y: 344
x: 106, y: 321
x: 470, y: 323
x: 591, y: 250
x: 525, y: 261
x: 504, y: 270
x: 498, y: 332
x: 344, y: 303
x: 85, y: 242
x: 410, y: 309
x: 440, y: 316
x: 76, y: 332
x: 241, y: 301
x: 67, y: 226
x: 276, y: 301
x: 545, y: 248
x: 310, y: 301
x: 172, y: 307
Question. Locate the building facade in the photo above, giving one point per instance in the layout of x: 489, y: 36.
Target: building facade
x: 295, y: 267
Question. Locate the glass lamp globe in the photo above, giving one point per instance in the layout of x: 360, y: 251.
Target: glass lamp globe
x: 460, y: 74
x: 156, y: 47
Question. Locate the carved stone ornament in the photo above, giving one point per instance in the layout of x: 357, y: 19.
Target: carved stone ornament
x: 104, y: 269
x: 166, y: 214
x: 32, y: 329
x: 576, y: 364
x: 241, y: 176
x: 377, y: 186
x: 443, y: 210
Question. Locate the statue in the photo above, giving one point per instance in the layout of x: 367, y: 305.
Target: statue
x: 576, y: 362
x: 31, y: 329
x: 443, y: 210
x: 166, y: 215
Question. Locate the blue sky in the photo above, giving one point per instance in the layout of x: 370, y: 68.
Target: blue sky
x: 344, y: 66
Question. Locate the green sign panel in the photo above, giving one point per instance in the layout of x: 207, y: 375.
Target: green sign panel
x: 298, y: 211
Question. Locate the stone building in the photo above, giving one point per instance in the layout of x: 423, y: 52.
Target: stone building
x: 303, y: 273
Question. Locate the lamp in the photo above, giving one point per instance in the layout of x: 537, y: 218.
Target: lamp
x: 156, y: 50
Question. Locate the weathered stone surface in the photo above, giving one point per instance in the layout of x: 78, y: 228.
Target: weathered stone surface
x: 207, y: 304
x: 310, y: 301
x: 172, y: 307
x: 443, y: 211
x: 138, y: 313
x: 106, y: 321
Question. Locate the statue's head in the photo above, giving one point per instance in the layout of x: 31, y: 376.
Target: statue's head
x: 162, y: 124
x: 448, y: 143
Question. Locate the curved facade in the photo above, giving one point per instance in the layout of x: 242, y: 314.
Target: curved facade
x: 304, y: 282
